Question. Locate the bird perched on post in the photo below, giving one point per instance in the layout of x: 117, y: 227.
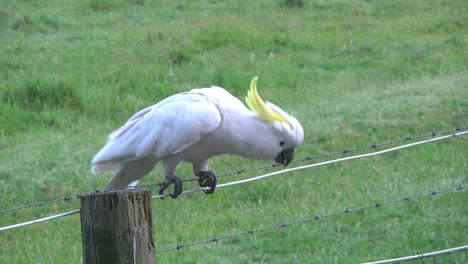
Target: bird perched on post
x: 193, y: 127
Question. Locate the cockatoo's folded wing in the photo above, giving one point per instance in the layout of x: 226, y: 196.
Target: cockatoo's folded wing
x: 168, y: 127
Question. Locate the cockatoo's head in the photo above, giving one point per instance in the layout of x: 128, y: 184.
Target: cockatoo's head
x: 287, y: 131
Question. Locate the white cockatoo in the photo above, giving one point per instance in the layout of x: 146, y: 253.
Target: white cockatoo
x: 193, y: 127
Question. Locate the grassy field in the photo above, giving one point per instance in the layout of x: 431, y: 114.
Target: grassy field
x: 353, y: 72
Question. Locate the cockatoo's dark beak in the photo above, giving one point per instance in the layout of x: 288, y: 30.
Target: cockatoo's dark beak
x: 285, y: 156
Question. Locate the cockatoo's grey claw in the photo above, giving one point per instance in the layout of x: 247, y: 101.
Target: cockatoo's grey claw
x: 177, y: 186
x: 207, y: 179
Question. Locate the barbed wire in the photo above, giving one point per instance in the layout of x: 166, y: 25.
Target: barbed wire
x: 351, y: 150
x: 311, y: 157
x: 240, y: 171
x: 346, y: 211
x: 327, y: 162
x: 67, y: 198
x: 64, y: 198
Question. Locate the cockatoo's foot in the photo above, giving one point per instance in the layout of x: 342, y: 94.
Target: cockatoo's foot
x: 177, y: 186
x: 207, y: 179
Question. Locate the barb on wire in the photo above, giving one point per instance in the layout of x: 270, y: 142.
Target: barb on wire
x: 346, y: 211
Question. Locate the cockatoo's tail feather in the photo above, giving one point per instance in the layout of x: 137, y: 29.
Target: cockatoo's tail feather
x: 256, y: 105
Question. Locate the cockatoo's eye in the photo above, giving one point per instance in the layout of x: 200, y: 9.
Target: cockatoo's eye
x: 281, y: 143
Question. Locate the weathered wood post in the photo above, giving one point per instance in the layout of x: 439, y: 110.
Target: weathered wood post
x: 116, y: 227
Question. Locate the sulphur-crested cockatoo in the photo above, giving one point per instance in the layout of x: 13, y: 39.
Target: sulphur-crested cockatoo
x: 193, y: 127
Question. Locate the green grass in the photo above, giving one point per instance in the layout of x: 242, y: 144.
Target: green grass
x: 353, y: 72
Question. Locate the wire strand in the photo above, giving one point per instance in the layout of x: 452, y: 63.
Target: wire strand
x: 421, y: 256
x: 335, y: 153
x: 241, y: 181
x: 40, y: 220
x: 317, y: 164
x: 240, y: 171
x: 347, y: 211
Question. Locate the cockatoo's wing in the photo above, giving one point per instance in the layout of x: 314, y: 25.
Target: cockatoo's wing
x: 168, y: 127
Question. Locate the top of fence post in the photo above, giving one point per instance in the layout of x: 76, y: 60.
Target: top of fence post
x: 116, y: 227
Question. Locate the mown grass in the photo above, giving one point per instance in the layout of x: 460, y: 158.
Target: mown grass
x: 353, y: 72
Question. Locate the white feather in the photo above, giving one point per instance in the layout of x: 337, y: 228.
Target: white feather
x: 166, y: 128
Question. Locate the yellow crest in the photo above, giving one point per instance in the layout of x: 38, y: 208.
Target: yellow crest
x: 256, y: 104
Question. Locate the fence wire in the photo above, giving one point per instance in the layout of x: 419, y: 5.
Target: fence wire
x: 308, y: 157
x: 420, y: 257
x: 327, y: 162
x: 240, y: 171
x: 64, y: 198
x: 40, y: 220
x: 311, y: 219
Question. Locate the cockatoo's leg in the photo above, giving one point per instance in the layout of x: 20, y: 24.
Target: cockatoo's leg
x: 172, y: 179
x: 207, y: 179
x: 170, y: 164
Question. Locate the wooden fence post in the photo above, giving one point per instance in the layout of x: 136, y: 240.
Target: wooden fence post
x: 116, y: 227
